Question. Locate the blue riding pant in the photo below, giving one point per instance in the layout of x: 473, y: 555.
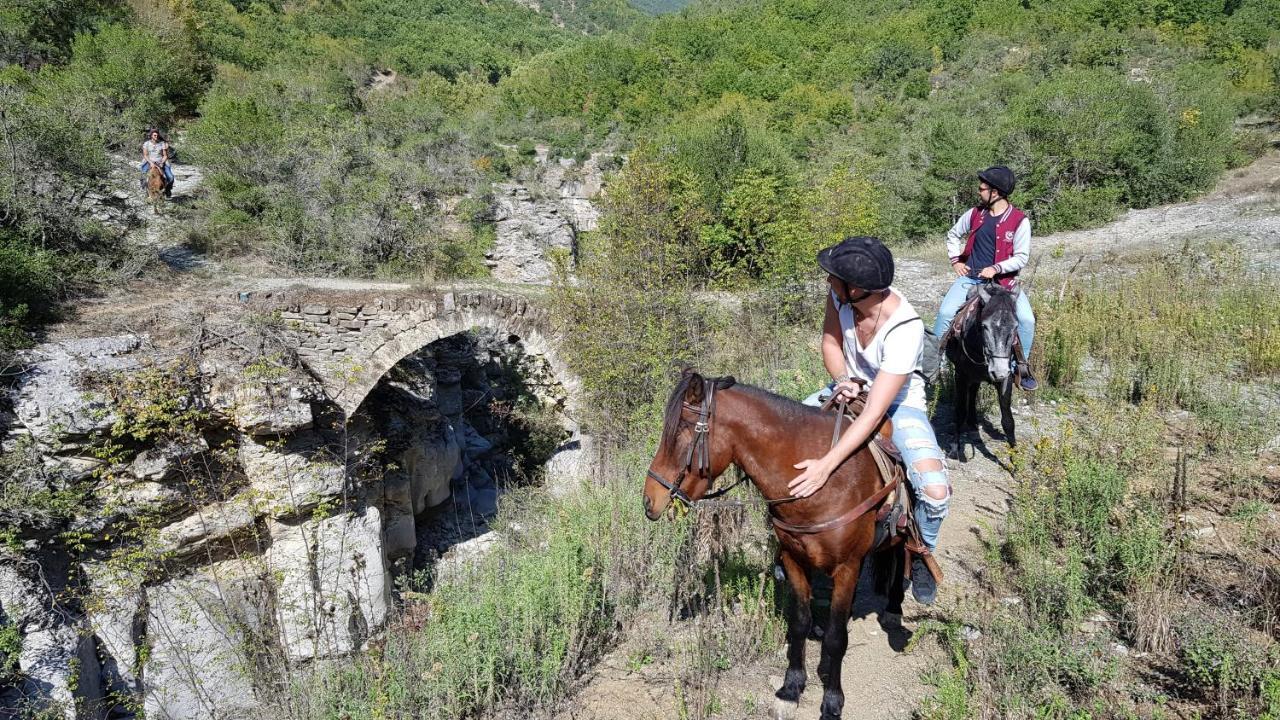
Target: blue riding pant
x: 959, y: 292
x: 168, y: 171
x: 914, y: 437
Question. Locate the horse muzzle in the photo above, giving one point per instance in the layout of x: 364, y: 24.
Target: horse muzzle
x: 998, y: 368
x: 648, y: 509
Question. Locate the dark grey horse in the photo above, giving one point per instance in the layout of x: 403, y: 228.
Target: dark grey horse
x: 981, y: 350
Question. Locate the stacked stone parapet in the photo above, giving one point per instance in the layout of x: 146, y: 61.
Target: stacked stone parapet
x: 350, y: 343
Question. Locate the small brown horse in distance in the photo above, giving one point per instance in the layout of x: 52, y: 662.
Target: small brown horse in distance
x: 155, y: 187
x: 711, y: 423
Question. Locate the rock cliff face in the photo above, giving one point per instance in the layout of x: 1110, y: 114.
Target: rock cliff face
x: 542, y: 218
x: 186, y: 533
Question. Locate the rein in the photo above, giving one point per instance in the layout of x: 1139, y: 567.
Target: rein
x: 973, y: 307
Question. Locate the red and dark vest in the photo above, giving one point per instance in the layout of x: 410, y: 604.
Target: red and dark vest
x: 1006, y: 228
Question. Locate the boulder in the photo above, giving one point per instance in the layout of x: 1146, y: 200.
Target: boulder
x: 332, y: 588
x: 158, y: 464
x: 116, y: 618
x: 571, y: 463
x: 465, y: 554
x: 274, y: 405
x: 52, y: 398
x: 207, y: 526
x: 287, y: 478
x: 202, y: 631
x: 429, y: 464
x: 57, y: 665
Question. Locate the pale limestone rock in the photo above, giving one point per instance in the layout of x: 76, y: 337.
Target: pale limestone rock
x: 573, y: 462
x: 332, y: 588
x: 263, y: 406
x: 115, y: 616
x: 198, y: 630
x: 158, y: 464
x: 528, y: 232
x: 429, y: 465
x: 53, y: 400
x: 208, y: 525
x: 57, y: 664
x: 291, y: 477
x: 465, y: 555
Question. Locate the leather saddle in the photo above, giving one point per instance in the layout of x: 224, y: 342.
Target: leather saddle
x: 895, y: 521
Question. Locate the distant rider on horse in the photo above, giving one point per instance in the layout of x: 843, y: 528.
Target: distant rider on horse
x: 872, y: 336
x: 993, y: 240
x: 156, y: 150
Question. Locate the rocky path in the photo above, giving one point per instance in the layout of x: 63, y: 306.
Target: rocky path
x: 163, y: 232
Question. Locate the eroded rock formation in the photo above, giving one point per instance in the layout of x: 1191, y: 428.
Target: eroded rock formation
x: 201, y: 523
x: 542, y: 217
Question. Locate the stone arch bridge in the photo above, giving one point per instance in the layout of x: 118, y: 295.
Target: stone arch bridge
x: 350, y: 339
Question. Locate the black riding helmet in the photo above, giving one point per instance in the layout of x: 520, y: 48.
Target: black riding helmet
x: 1000, y: 178
x: 862, y: 262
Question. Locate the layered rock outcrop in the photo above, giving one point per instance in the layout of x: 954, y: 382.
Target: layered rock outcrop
x: 193, y: 525
x: 541, y: 218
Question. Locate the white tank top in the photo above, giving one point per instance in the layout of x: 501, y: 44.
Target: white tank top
x: 897, y: 347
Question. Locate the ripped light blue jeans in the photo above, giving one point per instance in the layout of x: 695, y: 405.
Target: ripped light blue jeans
x: 914, y: 437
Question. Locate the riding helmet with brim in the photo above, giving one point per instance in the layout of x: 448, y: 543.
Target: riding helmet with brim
x: 1000, y: 178
x: 862, y: 262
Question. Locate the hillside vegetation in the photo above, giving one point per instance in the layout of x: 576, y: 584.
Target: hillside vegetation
x: 363, y: 138
x: 778, y: 112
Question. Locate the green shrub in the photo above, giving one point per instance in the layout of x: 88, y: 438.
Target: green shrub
x: 630, y: 314
x: 30, y: 285
x: 10, y: 649
x: 1237, y: 674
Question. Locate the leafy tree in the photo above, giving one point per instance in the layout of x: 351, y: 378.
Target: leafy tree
x: 630, y: 313
x: 34, y: 32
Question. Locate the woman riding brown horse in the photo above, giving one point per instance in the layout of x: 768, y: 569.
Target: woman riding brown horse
x: 711, y: 423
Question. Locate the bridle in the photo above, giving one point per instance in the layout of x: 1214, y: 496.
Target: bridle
x: 964, y: 346
x: 699, y: 450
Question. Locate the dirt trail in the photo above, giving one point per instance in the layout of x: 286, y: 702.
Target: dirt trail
x: 880, y: 681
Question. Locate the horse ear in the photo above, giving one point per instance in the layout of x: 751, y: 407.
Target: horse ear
x: 984, y: 293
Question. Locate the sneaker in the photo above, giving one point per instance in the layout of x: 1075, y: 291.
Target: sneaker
x: 1028, y: 383
x: 923, y: 587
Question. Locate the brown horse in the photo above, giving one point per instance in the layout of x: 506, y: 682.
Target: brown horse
x: 711, y: 423
x: 155, y: 187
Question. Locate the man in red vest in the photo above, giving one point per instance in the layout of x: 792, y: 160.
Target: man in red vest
x: 992, y: 240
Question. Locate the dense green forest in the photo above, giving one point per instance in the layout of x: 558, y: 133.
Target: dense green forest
x: 790, y: 121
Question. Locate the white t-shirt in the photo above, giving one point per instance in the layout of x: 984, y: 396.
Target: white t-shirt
x: 154, y: 150
x: 897, y: 347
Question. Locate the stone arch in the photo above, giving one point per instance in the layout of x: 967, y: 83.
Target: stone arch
x: 427, y: 321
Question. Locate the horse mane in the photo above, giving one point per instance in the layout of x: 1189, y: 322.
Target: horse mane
x: 997, y: 300
x: 786, y: 407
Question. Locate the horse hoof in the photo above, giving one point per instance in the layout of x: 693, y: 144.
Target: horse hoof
x: 784, y: 709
